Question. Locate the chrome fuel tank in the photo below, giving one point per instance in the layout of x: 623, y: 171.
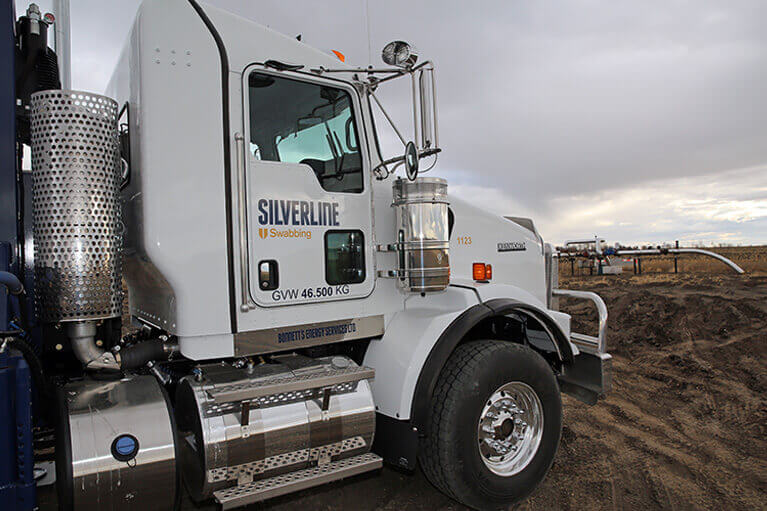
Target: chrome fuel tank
x: 241, y: 424
x: 116, y: 446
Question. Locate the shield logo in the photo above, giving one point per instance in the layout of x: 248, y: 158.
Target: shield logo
x: 263, y: 233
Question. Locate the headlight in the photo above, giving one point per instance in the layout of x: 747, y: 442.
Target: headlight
x: 400, y: 54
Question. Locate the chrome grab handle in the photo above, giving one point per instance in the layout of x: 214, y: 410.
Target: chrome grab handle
x: 242, y: 218
x: 599, y: 343
x: 421, y: 272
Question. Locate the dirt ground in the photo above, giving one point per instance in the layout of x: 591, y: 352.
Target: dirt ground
x: 683, y: 428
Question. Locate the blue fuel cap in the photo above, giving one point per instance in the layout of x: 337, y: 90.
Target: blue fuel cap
x: 125, y: 447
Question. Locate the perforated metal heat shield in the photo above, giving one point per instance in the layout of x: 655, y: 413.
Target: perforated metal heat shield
x: 76, y: 208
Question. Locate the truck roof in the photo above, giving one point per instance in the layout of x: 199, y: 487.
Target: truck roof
x: 246, y: 42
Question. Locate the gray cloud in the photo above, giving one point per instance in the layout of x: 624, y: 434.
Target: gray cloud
x: 727, y: 207
x: 554, y: 104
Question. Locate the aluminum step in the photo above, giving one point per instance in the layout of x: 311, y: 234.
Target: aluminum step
x: 263, y: 489
x: 289, y: 383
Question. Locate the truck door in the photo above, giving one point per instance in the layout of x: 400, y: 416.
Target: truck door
x: 308, y: 190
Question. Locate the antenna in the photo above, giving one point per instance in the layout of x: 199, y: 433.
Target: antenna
x: 367, y: 24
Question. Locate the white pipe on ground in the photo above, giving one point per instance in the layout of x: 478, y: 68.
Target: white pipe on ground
x: 655, y: 251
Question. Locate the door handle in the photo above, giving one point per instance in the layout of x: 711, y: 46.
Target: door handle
x: 268, y: 275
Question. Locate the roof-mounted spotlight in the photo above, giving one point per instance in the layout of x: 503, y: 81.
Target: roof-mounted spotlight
x: 400, y: 54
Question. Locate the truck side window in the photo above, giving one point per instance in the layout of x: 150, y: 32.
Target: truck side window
x: 344, y: 257
x: 300, y: 122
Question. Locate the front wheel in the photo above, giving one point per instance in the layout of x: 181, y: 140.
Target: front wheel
x: 496, y: 419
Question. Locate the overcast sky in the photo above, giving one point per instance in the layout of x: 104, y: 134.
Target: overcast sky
x: 640, y: 121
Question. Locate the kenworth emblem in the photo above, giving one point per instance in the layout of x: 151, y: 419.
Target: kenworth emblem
x: 511, y: 246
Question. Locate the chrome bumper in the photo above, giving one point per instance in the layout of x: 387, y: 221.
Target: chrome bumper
x: 589, y: 377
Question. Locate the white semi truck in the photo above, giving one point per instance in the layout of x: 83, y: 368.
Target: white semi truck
x: 303, y: 308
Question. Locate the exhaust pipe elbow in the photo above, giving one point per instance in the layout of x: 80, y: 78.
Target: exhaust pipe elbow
x: 82, y: 335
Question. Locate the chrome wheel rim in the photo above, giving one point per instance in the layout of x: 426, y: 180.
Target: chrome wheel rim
x: 510, y: 428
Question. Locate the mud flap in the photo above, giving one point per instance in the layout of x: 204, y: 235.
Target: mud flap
x: 396, y: 441
x: 588, y: 378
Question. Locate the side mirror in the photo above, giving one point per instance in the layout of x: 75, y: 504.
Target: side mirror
x: 427, y: 108
x: 425, y: 141
x: 411, y: 161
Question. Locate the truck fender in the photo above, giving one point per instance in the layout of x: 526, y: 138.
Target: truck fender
x: 409, y: 337
x: 455, y: 333
x: 410, y: 356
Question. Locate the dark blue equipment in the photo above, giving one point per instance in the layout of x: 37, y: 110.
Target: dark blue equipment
x: 17, y: 485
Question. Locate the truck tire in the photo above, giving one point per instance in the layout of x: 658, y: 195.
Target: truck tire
x: 495, y: 423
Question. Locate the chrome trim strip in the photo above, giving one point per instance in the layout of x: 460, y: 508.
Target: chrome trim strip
x: 242, y: 218
x: 286, y: 338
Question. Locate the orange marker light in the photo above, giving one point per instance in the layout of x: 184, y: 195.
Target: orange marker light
x: 478, y: 271
x: 340, y: 55
x: 488, y: 271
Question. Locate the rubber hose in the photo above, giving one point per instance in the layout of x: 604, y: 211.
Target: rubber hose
x: 139, y: 354
x: 35, y: 366
x: 12, y: 282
